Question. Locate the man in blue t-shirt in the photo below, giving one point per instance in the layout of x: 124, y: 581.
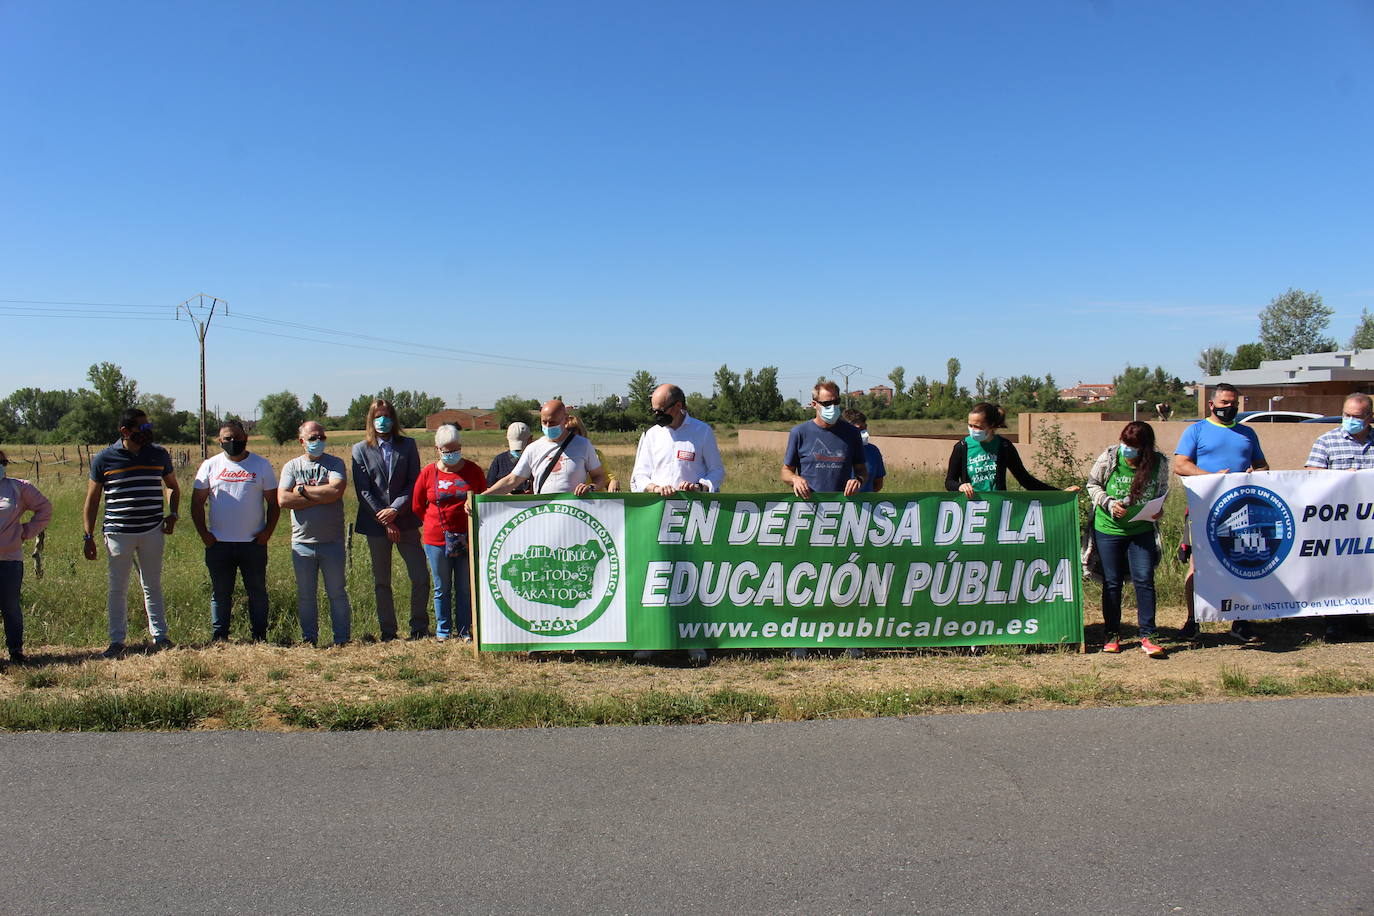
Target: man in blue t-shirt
x: 824, y: 455
x: 877, y: 471
x: 1218, y: 445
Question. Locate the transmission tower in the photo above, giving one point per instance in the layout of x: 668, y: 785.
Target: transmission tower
x: 846, y: 370
x: 201, y: 314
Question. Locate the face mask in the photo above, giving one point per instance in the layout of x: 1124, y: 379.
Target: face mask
x: 1226, y: 414
x: 553, y: 432
x: 1129, y: 451
x: 234, y: 447
x: 979, y: 435
x: 315, y: 449
x: 451, y: 457
x: 663, y: 418
x: 863, y: 434
x: 830, y: 414
x: 382, y: 424
x: 1352, y: 425
x: 515, y: 452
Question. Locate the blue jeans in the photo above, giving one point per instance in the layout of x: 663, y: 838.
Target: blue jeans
x: 1137, y: 554
x: 452, y: 592
x: 309, y: 561
x: 224, y: 559
x: 11, y: 578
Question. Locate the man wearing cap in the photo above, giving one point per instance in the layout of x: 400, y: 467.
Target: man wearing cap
x: 517, y: 437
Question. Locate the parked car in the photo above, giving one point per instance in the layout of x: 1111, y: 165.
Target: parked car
x: 1329, y: 421
x: 1276, y: 416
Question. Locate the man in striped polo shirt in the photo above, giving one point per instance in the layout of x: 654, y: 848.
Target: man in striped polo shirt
x: 131, y: 475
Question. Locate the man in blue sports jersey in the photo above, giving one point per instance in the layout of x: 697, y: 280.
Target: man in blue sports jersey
x: 1218, y: 445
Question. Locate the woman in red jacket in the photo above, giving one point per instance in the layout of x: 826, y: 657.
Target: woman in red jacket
x: 441, y: 501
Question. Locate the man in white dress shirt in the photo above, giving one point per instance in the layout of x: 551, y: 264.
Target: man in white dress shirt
x: 677, y: 454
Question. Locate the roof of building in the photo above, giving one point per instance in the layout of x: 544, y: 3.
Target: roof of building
x: 1340, y: 366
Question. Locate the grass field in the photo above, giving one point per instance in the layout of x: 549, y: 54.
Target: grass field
x: 422, y: 685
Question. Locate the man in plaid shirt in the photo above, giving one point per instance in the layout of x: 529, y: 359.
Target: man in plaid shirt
x: 1348, y: 447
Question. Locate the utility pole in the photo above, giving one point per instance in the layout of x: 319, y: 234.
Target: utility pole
x: 201, y: 315
x: 846, y: 370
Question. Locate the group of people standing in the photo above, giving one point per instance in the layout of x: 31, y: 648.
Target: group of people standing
x: 420, y: 509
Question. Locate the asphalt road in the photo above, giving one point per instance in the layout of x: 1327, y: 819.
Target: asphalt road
x: 1246, y: 808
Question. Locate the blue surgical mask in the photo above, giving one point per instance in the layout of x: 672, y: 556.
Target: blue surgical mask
x: 553, y: 432
x: 979, y: 435
x: 1128, y: 451
x: 451, y: 458
x: 382, y: 424
x: 830, y: 414
x: 315, y: 449
x: 515, y: 452
x: 1352, y: 425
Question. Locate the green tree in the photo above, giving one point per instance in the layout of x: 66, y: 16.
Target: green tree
x: 1215, y: 360
x: 514, y: 409
x: 1139, y: 383
x: 1293, y: 323
x: 641, y: 390
x: 1247, y: 356
x: 281, y: 416
x: 33, y: 411
x: 317, y: 409
x: 897, y: 377
x: 759, y: 399
x: 727, y: 395
x: 357, y: 412
x: 1363, y: 338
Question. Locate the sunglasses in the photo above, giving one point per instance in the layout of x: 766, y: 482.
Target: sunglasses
x: 316, y: 437
x: 828, y: 403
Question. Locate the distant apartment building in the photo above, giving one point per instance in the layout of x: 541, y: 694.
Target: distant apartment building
x: 1087, y: 394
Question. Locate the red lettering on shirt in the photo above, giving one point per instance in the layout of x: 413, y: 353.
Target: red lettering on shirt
x: 238, y: 475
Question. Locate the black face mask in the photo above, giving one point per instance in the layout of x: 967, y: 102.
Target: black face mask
x: 663, y: 418
x: 1226, y: 414
x: 235, y: 447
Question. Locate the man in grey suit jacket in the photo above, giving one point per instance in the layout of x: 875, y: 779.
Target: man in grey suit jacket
x: 385, y: 467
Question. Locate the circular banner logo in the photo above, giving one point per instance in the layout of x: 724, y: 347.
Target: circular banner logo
x: 553, y: 569
x: 1250, y: 530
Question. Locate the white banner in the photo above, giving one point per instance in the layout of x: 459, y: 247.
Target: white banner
x: 1282, y: 543
x: 550, y: 571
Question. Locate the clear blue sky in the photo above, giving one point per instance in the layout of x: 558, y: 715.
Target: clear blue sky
x: 1055, y: 187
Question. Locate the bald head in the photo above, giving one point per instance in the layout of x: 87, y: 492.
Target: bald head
x: 553, y: 413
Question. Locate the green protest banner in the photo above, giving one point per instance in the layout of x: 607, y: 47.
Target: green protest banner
x: 640, y: 571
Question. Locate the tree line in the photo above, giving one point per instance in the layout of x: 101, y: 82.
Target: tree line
x: 1291, y: 324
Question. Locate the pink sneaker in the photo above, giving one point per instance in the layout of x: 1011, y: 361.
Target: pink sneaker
x: 1149, y: 648
x: 1113, y: 644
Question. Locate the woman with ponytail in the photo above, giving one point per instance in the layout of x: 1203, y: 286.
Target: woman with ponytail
x: 1123, y: 479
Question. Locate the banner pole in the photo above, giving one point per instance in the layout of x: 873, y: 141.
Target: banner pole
x: 472, y: 579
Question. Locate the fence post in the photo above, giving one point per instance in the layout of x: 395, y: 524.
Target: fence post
x: 38, y: 554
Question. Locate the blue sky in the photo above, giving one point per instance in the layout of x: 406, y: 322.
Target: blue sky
x: 569, y: 191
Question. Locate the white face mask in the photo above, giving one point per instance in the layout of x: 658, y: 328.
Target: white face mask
x: 863, y: 434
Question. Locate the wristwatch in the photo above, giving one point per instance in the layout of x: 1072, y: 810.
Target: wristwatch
x: 301, y: 490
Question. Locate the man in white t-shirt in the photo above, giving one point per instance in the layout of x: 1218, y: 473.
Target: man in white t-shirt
x: 561, y: 462
x: 241, y: 491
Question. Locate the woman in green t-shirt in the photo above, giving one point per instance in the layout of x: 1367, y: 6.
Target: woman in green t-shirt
x: 1123, y: 480
x: 980, y: 461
